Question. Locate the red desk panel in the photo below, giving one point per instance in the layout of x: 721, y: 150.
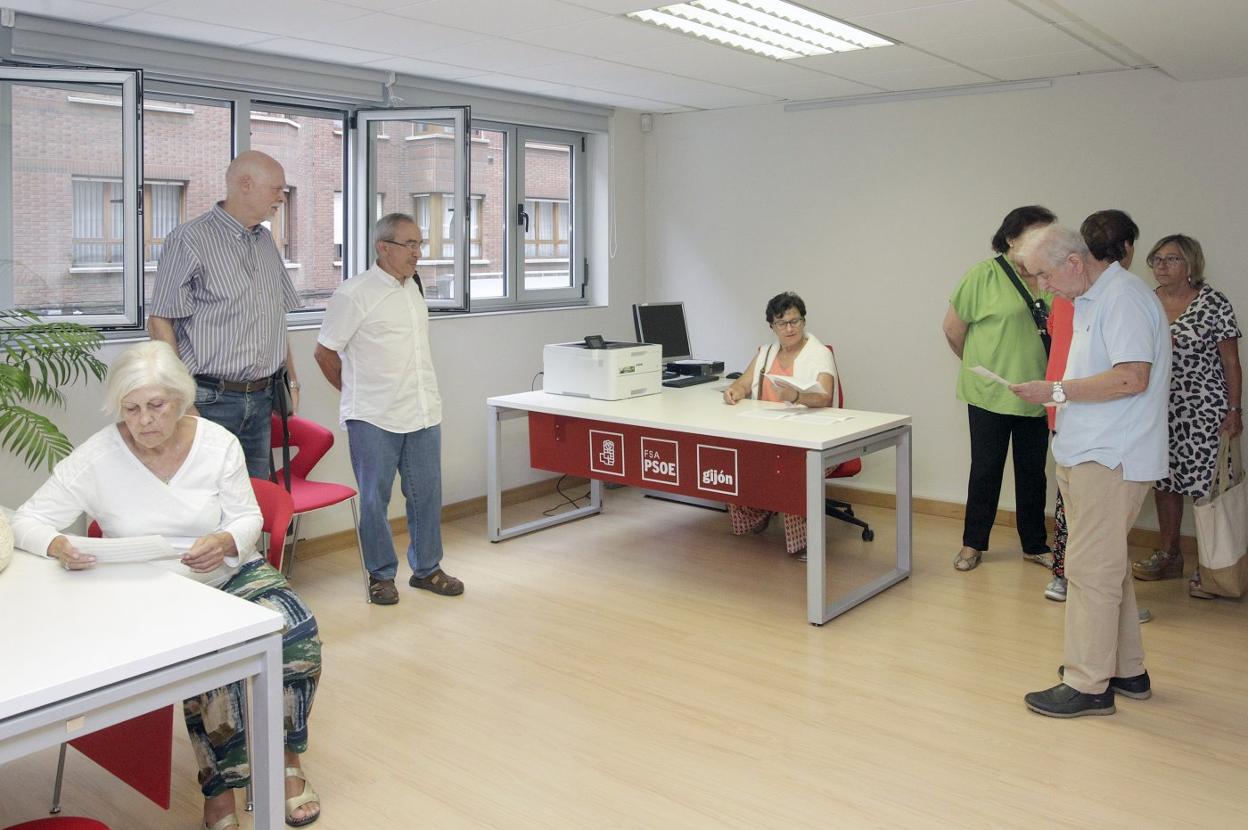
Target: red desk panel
x: 767, y: 476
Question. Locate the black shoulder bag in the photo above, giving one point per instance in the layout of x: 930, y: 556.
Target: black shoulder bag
x: 1039, y: 311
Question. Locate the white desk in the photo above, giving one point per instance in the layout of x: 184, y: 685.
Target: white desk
x: 697, y: 414
x: 87, y: 649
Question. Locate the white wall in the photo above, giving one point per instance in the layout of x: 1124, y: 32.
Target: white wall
x: 872, y: 213
x: 475, y: 356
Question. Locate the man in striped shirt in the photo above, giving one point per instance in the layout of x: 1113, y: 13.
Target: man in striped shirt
x: 221, y: 297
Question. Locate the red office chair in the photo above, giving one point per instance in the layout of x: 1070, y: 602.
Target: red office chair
x: 312, y: 441
x: 277, y: 507
x: 60, y: 823
x: 835, y: 508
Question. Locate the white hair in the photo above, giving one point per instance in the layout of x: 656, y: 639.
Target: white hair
x: 1051, y: 245
x: 388, y: 225
x: 152, y: 363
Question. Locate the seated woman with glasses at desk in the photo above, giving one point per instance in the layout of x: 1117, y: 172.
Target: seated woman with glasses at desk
x: 161, y: 471
x: 802, y: 357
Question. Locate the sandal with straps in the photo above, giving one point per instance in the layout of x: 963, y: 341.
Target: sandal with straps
x: 968, y: 563
x: 306, y: 797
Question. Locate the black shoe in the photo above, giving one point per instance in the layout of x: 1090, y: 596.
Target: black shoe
x: 1136, y: 688
x: 1062, y: 701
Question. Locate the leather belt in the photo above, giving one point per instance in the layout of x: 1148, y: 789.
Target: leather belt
x: 234, y: 385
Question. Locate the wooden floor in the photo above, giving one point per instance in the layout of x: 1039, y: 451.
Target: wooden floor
x: 645, y: 669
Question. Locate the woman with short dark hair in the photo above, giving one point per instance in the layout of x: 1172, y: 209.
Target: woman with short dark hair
x: 990, y: 324
x: 796, y: 354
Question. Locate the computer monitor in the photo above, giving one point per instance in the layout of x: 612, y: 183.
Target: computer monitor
x: 664, y: 325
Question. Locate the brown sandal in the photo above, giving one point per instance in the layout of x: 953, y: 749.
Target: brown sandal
x: 439, y: 582
x: 382, y: 591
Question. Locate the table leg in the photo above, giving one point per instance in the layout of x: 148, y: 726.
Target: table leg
x: 819, y: 611
x: 267, y: 742
x: 494, y: 530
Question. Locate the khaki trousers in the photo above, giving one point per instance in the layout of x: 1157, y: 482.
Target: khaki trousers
x: 1102, y: 620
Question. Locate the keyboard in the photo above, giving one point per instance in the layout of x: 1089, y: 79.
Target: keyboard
x: 689, y: 380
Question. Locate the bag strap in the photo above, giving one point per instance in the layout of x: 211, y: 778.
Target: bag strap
x: 762, y: 369
x: 1035, y: 305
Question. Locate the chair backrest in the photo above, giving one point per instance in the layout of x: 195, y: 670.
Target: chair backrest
x: 277, y: 508
x: 310, y: 438
x: 838, y: 390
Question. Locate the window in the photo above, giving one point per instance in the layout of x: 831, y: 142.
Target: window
x: 308, y: 143
x: 98, y: 222
x: 551, y: 239
x: 439, y: 209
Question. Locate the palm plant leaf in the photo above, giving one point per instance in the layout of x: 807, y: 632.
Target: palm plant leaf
x: 36, y: 359
x: 32, y: 437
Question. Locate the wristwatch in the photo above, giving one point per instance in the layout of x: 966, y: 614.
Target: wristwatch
x: 294, y: 386
x: 1059, y: 394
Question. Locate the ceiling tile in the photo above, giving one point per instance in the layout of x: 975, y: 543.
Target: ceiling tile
x: 1047, y: 66
x: 315, y: 50
x: 947, y: 75
x: 497, y: 55
x: 845, y: 9
x: 984, y: 18
x: 497, y: 17
x: 867, y: 61
x: 425, y: 69
x: 972, y: 49
x: 825, y: 86
x: 159, y: 24
x: 378, y: 5
x: 392, y: 35
x: 604, y: 37
x: 616, y: 6
x: 291, y: 18
x: 67, y: 9
x: 719, y: 64
x: 643, y: 83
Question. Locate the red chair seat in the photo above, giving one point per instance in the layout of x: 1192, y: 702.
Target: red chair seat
x: 313, y: 495
x: 60, y: 823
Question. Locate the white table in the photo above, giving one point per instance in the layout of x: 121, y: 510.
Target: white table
x: 699, y: 413
x: 87, y: 649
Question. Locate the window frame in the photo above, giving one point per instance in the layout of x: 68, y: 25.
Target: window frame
x: 130, y: 82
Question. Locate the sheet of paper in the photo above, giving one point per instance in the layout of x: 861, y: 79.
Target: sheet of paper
x: 991, y: 375
x: 125, y: 549
x: 782, y: 380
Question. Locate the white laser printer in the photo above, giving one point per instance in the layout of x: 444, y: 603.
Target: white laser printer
x: 608, y: 371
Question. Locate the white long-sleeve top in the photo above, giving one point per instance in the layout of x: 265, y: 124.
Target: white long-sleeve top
x: 103, y: 478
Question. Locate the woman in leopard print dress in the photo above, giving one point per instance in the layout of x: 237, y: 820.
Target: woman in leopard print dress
x: 1205, y: 385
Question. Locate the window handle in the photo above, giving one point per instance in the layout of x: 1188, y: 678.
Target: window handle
x: 522, y: 217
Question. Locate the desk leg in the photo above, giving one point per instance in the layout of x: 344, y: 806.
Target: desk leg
x: 494, y: 530
x: 267, y: 741
x: 816, y: 541
x: 819, y: 611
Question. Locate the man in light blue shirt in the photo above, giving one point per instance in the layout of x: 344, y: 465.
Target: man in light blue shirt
x: 1111, y: 445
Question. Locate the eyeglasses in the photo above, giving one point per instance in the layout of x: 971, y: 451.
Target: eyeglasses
x: 795, y: 323
x: 413, y: 246
x: 1168, y: 261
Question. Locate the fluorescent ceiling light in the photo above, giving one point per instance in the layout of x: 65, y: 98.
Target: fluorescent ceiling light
x: 773, y: 28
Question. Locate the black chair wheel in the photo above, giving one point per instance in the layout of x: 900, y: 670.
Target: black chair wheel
x: 868, y: 535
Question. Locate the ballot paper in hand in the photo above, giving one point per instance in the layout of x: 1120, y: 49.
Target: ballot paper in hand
x: 784, y: 380
x: 125, y: 549
x: 991, y: 375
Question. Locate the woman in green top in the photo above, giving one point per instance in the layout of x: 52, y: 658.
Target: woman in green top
x: 989, y: 324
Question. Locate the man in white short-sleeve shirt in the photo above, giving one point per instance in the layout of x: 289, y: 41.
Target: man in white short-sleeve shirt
x: 1111, y: 445
x: 374, y: 348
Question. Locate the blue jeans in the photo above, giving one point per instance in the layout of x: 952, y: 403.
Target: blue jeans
x: 376, y: 455
x: 246, y: 414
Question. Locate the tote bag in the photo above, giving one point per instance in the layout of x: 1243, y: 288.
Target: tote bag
x: 1222, y: 526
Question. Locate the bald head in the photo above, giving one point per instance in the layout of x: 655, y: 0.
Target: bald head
x: 255, y: 187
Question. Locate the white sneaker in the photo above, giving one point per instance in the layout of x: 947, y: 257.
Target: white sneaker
x: 1056, y: 589
x: 1145, y: 615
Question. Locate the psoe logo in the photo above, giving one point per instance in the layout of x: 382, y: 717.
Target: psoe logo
x: 660, y: 461
x: 717, y: 469
x: 606, y: 452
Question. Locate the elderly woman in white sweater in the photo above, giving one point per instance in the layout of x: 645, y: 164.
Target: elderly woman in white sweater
x: 161, y: 471
x: 797, y: 355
